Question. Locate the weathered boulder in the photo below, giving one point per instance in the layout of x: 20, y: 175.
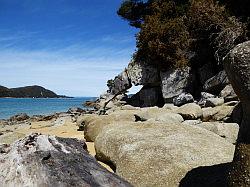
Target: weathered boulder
x: 182, y: 99
x: 20, y: 117
x: 237, y: 66
x: 93, y: 124
x: 161, y: 115
x: 229, y: 131
x: 208, y: 113
x: 41, y: 160
x: 174, y: 82
x: 190, y: 111
x: 228, y: 94
x: 159, y: 154
x: 217, y: 113
x: 212, y: 102
x: 203, y: 97
x: 216, y: 83
x: 141, y: 73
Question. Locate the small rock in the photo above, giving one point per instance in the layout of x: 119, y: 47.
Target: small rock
x: 212, y: 102
x: 191, y: 122
x: 208, y: 113
x: 182, y: 99
x: 217, y: 113
x: 190, y: 111
x: 170, y: 106
x: 75, y: 110
x: 204, y: 97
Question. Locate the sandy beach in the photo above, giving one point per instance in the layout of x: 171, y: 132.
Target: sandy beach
x: 61, y: 127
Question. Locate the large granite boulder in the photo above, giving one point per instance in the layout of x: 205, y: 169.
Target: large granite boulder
x: 93, y: 124
x: 159, y: 154
x: 141, y: 73
x: 41, y: 160
x: 216, y: 83
x: 174, y: 82
x: 237, y: 66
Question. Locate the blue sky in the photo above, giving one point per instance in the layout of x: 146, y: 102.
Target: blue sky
x: 69, y: 46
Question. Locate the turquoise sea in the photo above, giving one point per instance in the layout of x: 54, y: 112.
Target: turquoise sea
x: 13, y: 106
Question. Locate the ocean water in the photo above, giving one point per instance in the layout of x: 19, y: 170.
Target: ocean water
x: 13, y: 106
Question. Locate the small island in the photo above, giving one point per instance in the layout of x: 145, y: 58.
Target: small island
x: 28, y: 92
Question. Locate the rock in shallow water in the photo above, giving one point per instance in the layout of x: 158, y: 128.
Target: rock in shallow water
x: 41, y: 160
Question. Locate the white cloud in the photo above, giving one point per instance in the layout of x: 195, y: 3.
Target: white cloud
x: 75, y: 70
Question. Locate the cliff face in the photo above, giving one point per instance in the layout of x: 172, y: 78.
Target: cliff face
x: 27, y: 92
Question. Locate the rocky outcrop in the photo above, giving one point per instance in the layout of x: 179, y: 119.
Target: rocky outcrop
x: 159, y: 154
x: 41, y: 160
x: 120, y: 84
x: 237, y: 66
x: 175, y: 82
x: 143, y: 74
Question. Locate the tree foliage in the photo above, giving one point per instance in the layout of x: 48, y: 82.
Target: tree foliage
x: 176, y: 33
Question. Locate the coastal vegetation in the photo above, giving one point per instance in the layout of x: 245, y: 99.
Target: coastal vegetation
x: 178, y: 33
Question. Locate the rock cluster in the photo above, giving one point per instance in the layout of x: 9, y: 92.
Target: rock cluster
x: 148, y: 145
x: 178, y: 86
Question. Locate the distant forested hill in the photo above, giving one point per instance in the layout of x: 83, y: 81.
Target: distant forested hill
x: 28, y: 92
